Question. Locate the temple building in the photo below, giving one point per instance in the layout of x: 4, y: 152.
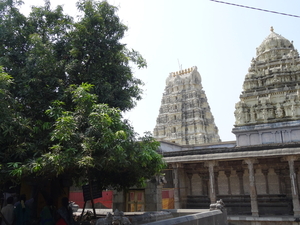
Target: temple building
x: 258, y: 175
x: 184, y: 116
x: 269, y: 107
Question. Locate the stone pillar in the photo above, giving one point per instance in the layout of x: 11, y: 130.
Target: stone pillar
x: 119, y: 200
x: 153, y: 194
x: 204, y: 179
x: 176, y: 185
x: 228, y: 173
x: 216, y: 182
x: 280, y: 178
x: 253, y: 193
x: 190, y: 175
x: 240, y: 174
x: 212, y: 186
x: 294, y: 186
x: 180, y: 192
x: 201, y: 181
x: 265, y: 173
x: 159, y: 203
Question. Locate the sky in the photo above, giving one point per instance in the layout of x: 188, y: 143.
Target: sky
x: 219, y: 39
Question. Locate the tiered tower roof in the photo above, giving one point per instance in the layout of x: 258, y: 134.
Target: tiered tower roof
x: 184, y: 116
x: 271, y: 87
x: 271, y: 93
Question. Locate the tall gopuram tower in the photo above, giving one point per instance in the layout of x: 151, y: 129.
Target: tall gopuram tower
x: 269, y: 106
x: 184, y: 115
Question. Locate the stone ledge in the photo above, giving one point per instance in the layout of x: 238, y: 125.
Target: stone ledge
x: 265, y: 218
x: 205, y: 218
x: 252, y: 148
x: 266, y: 126
x: 234, y: 155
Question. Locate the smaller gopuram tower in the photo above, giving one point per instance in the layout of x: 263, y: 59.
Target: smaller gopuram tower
x: 184, y: 115
x: 269, y: 107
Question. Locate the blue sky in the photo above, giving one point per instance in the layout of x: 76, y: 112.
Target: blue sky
x: 217, y: 38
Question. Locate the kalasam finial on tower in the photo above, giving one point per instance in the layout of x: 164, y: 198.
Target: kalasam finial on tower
x: 272, y: 29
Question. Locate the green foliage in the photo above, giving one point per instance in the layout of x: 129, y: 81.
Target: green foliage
x: 99, y: 58
x: 61, y: 105
x: 13, y: 128
x: 93, y: 141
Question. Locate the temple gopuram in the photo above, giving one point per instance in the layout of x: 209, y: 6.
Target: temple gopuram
x: 184, y: 116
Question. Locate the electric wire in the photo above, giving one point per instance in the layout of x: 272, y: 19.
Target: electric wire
x: 249, y: 7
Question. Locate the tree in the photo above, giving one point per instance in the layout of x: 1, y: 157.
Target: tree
x: 71, y: 82
x: 93, y: 141
x: 98, y: 57
x: 13, y: 128
x: 29, y: 54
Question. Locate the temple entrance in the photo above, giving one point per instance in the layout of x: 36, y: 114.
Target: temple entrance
x: 135, y: 201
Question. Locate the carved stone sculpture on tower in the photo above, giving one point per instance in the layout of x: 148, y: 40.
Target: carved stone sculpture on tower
x: 184, y: 116
x: 270, y: 94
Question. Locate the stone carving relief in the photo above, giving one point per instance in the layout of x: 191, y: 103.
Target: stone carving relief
x: 279, y: 111
x: 272, y: 78
x: 264, y: 111
x: 186, y: 105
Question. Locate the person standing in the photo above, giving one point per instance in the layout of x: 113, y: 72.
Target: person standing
x: 7, y: 212
x: 48, y: 214
x: 21, y: 212
x: 65, y: 213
